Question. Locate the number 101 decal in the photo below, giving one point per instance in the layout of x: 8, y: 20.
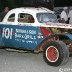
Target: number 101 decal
x: 7, y: 33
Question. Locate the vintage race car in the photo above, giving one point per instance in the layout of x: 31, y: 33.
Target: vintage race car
x: 37, y: 29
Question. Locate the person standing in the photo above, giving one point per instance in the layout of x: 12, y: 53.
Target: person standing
x: 64, y: 15
x: 2, y: 14
x: 70, y: 16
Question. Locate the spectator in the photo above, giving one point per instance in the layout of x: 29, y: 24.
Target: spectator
x: 70, y: 16
x: 2, y: 14
x: 64, y: 15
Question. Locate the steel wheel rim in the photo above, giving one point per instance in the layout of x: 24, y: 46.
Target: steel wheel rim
x: 52, y: 54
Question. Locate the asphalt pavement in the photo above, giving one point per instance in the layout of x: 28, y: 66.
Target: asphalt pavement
x: 28, y: 62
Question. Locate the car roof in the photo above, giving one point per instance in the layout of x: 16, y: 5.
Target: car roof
x: 31, y: 10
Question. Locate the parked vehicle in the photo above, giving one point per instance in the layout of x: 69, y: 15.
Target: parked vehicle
x: 37, y: 29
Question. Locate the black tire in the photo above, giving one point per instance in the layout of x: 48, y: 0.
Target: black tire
x: 55, y: 53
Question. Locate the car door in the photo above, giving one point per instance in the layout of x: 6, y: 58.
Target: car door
x: 23, y: 35
x: 29, y: 33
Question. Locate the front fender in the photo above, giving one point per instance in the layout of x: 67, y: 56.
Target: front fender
x: 43, y: 42
x: 54, y: 37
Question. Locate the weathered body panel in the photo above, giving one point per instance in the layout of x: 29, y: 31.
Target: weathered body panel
x: 29, y: 37
x: 20, y: 36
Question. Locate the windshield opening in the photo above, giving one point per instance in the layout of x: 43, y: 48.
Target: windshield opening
x: 46, y: 17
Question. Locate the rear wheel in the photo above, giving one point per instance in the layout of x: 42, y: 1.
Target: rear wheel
x: 55, y: 53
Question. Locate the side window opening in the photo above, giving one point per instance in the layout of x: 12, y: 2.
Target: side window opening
x: 11, y: 18
x: 25, y: 18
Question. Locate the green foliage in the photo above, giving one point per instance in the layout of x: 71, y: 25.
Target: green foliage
x: 1, y: 6
x: 10, y: 3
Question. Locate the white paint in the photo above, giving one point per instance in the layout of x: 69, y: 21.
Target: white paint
x: 7, y: 33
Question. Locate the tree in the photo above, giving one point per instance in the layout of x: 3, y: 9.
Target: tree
x: 10, y: 3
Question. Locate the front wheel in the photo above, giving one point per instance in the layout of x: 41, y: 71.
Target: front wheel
x: 55, y: 53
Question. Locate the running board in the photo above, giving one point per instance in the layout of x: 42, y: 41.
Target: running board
x: 15, y: 50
